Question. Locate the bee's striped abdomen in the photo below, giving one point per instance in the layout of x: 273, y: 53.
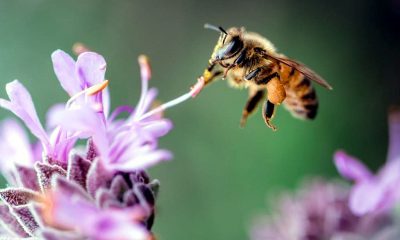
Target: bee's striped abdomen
x: 301, y: 99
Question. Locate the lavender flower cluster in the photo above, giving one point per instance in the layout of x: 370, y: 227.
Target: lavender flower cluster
x: 334, y: 211
x: 61, y: 190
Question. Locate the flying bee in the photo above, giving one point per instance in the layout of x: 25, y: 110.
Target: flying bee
x: 248, y: 60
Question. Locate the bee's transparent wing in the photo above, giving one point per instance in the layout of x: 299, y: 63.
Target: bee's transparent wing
x: 310, y: 74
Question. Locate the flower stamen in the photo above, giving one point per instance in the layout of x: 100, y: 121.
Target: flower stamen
x: 96, y: 88
x: 79, y: 48
x: 192, y: 93
x: 88, y: 92
x: 145, y: 69
x: 145, y: 74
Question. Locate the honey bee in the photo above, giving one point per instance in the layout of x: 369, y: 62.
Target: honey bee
x: 248, y: 60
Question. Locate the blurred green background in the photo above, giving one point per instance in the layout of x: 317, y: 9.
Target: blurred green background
x: 222, y: 175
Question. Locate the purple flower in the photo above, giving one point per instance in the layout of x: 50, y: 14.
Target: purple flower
x: 75, y: 77
x: 21, y: 104
x: 56, y: 183
x: 62, y: 209
x: 128, y: 144
x: 15, y: 150
x: 57, y: 144
x: 371, y: 192
x: 319, y: 211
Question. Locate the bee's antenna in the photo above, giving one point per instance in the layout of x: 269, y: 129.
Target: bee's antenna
x: 215, y: 28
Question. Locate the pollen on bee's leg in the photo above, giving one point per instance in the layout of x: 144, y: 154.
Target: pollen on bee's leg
x: 207, y: 74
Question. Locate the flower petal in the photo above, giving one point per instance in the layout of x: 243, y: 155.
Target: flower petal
x: 45, y: 173
x: 68, y: 208
x: 389, y: 175
x: 93, y: 222
x: 52, y: 234
x: 25, y: 218
x: 27, y: 177
x: 69, y: 188
x: 103, y: 197
x: 97, y: 177
x: 21, y: 105
x: 365, y: 197
x: 118, y: 186
x: 143, y: 161
x: 105, y: 95
x: 64, y: 68
x: 350, y: 167
x: 90, y: 68
x: 158, y: 128
x: 86, y: 121
x: 119, y: 228
x: 394, y: 135
x: 78, y: 168
x: 17, y: 196
x: 51, y: 113
x: 10, y: 222
x: 14, y: 147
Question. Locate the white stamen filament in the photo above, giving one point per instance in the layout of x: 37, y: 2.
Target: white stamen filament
x: 193, y: 93
x: 145, y: 73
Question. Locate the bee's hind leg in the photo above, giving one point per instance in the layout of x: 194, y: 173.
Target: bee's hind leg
x: 251, y: 104
x: 268, y: 113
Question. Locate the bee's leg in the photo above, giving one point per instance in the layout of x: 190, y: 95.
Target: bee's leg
x: 252, y: 74
x: 227, y: 70
x: 211, y: 73
x: 268, y: 78
x: 268, y: 113
x: 276, y: 90
x: 239, y: 60
x: 251, y: 104
x: 262, y: 75
x: 276, y: 95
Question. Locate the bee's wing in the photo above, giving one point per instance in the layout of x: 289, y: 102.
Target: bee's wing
x: 310, y: 74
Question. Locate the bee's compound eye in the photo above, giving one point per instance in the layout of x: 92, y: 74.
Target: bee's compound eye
x: 231, y: 48
x: 235, y: 45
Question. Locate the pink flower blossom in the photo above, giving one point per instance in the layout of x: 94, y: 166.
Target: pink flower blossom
x: 371, y: 192
x: 319, y: 211
x: 58, y: 190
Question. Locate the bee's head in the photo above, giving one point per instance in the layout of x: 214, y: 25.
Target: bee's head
x: 229, y: 43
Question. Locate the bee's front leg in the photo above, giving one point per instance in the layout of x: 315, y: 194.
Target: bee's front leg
x: 239, y: 60
x: 227, y: 68
x: 211, y: 73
